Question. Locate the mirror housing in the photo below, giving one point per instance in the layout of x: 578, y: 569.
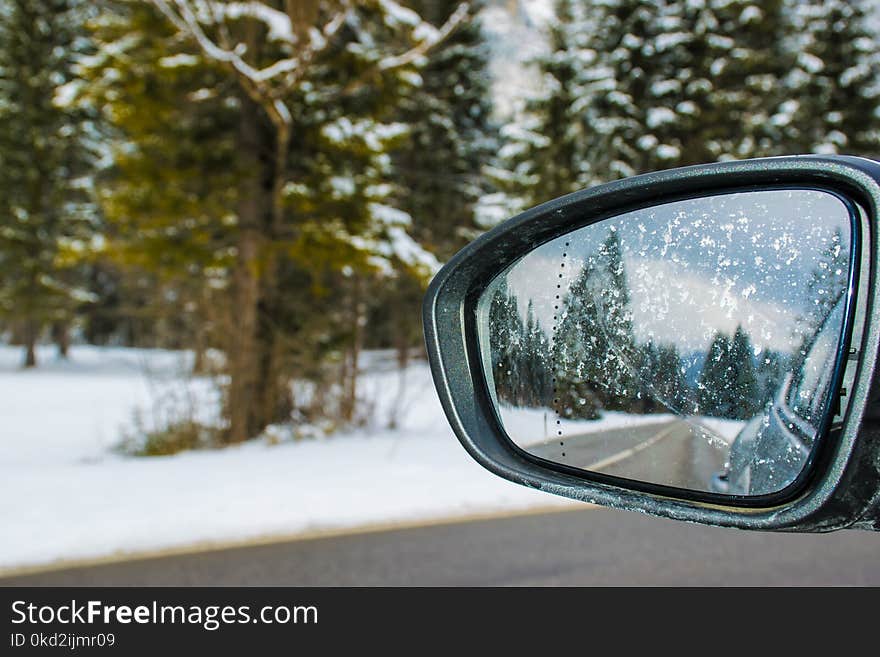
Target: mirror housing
x: 843, y: 486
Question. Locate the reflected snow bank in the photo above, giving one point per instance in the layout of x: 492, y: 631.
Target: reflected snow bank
x: 539, y: 424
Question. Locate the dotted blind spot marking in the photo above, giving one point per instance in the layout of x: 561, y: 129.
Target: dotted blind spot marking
x: 557, y: 406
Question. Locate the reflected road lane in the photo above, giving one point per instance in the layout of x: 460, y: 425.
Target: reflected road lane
x: 677, y: 453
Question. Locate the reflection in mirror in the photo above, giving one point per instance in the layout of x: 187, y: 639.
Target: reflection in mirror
x: 692, y: 344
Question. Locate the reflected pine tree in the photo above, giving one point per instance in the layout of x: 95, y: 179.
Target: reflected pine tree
x: 729, y: 385
x: 671, y: 391
x: 505, y: 341
x: 827, y: 284
x: 519, y: 352
x: 743, y: 393
x: 595, y: 355
x: 715, y: 378
x: 535, y: 384
x: 770, y: 372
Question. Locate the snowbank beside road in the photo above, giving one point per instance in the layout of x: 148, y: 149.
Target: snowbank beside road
x: 66, y: 494
x: 534, y: 426
x: 726, y: 430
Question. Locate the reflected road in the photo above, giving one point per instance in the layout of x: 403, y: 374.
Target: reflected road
x: 677, y: 453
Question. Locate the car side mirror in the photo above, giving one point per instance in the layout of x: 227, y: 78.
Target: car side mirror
x: 698, y: 343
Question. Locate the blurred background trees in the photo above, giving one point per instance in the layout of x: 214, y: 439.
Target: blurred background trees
x: 47, y: 217
x: 270, y: 184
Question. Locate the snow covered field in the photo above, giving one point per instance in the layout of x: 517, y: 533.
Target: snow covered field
x: 66, y: 493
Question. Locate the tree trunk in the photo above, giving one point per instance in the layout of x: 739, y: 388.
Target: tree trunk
x: 401, y: 339
x: 200, y: 363
x: 61, y: 336
x: 259, y: 393
x: 274, y: 396
x: 349, y: 384
x: 30, y: 334
x: 242, y: 349
x: 17, y: 334
x: 201, y: 317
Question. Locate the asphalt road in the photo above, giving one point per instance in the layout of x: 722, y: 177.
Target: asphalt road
x: 588, y: 548
x: 676, y: 453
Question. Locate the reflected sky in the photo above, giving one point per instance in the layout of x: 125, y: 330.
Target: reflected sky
x: 702, y: 265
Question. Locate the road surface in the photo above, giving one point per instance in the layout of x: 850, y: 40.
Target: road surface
x: 676, y: 453
x: 588, y: 548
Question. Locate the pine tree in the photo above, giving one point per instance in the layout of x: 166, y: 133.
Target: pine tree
x: 835, y: 86
x: 595, y: 353
x: 628, y: 67
x: 728, y: 386
x: 744, y: 396
x: 770, y: 372
x: 636, y: 85
x: 452, y: 135
x: 651, y: 400
x: 507, y: 345
x: 300, y: 100
x: 715, y: 379
x: 518, y: 352
x: 670, y: 387
x: 536, y: 371
x: 46, y: 217
x: 169, y: 193
x: 618, y: 364
x: 827, y: 284
x: 576, y: 347
x: 543, y: 157
x: 438, y: 169
x: 750, y: 55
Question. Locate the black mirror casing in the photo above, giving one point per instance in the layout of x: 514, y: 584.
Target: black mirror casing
x: 842, y: 485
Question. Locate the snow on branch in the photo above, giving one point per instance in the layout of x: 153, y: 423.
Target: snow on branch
x: 266, y: 86
x: 277, y: 22
x: 186, y: 17
x: 429, y: 38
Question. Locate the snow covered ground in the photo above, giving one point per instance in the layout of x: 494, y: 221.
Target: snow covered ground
x: 67, y: 493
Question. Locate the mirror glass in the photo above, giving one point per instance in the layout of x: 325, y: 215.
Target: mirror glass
x: 691, y: 344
